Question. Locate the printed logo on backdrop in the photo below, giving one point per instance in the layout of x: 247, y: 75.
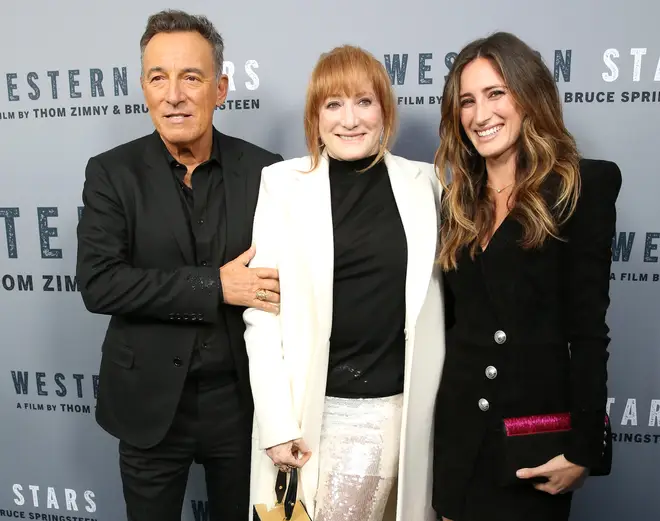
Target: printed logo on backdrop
x: 428, y: 71
x: 35, y: 224
x: 52, y: 392
x: 43, y: 392
x: 634, y: 421
x: 200, y: 510
x: 102, y: 92
x: 47, y: 503
x: 628, y: 66
x: 635, y: 247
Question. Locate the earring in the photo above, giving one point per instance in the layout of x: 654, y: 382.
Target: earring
x: 382, y: 135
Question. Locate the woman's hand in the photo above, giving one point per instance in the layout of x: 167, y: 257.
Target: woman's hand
x: 563, y: 476
x: 294, y: 453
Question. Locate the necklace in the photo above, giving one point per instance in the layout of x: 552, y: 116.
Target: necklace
x: 500, y: 190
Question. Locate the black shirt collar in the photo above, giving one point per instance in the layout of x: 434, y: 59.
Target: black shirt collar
x: 215, y: 152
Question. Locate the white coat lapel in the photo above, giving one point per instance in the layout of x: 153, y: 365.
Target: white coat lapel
x: 311, y: 198
x: 416, y: 203
x: 316, y: 219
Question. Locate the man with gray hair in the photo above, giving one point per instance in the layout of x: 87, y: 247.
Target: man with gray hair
x: 163, y: 247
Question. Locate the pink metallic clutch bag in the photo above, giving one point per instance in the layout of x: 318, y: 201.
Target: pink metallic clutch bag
x: 530, y: 441
x: 537, y: 424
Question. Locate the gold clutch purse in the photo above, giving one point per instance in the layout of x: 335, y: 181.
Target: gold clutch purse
x: 288, y: 506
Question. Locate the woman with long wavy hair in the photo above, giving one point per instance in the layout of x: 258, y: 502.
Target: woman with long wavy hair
x: 525, y: 249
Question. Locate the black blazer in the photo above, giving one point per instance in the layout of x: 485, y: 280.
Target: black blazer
x: 136, y: 264
x: 526, y: 334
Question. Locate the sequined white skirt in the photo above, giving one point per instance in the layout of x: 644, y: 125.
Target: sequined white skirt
x: 358, y: 457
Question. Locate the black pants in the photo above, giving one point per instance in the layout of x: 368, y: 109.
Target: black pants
x: 211, y: 427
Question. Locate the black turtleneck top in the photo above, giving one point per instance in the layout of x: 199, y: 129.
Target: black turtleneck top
x: 367, y: 342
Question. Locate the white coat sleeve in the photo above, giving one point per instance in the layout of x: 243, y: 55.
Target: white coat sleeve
x: 269, y: 378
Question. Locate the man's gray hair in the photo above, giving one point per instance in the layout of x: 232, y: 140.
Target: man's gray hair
x: 172, y: 21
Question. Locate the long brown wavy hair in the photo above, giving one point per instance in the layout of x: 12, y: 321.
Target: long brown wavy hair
x: 547, y: 182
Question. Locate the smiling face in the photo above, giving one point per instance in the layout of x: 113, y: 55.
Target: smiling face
x: 350, y: 126
x: 350, y: 110
x: 489, y: 114
x: 180, y: 86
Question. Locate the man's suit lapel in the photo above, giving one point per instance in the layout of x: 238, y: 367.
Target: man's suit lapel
x: 165, y: 190
x: 159, y: 176
x: 417, y: 208
x: 236, y: 190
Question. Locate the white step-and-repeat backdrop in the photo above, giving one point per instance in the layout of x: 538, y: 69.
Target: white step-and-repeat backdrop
x: 69, y: 89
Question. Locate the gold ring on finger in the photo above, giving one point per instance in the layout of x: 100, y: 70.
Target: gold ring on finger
x: 261, y: 294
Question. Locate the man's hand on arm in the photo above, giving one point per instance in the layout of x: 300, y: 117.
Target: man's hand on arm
x: 250, y: 287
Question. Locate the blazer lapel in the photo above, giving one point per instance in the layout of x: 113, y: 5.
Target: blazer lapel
x: 316, y: 220
x: 159, y: 176
x: 417, y: 207
x: 235, y: 199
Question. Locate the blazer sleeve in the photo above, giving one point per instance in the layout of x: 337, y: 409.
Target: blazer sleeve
x: 269, y: 379
x: 110, y: 285
x: 587, y: 258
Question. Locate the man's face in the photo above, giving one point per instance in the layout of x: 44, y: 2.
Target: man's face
x: 181, y: 87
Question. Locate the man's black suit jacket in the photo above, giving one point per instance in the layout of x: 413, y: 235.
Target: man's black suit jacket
x: 136, y: 264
